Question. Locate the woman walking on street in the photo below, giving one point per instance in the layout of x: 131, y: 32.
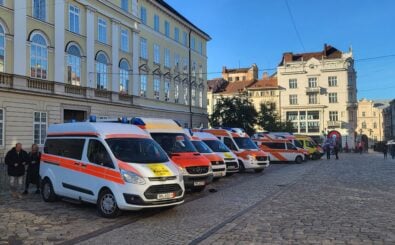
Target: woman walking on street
x: 33, y: 169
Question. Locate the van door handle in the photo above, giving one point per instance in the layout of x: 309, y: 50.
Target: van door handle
x: 83, y: 165
x: 77, y: 163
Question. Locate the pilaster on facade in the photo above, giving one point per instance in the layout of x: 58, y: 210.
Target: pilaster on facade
x: 90, y: 46
x: 20, y: 37
x: 115, y: 55
x: 59, y: 40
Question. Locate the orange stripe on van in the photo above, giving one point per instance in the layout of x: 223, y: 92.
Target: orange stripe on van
x: 127, y: 167
x: 278, y: 156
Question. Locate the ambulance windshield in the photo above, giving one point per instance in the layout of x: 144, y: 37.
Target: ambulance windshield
x: 201, y: 147
x: 245, y: 143
x: 174, y: 142
x: 137, y: 150
x: 217, y: 146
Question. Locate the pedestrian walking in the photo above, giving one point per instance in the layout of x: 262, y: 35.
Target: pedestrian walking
x: 360, y: 147
x: 336, y: 150
x: 328, y: 151
x: 393, y: 151
x: 385, y: 150
x: 16, y: 160
x: 33, y: 169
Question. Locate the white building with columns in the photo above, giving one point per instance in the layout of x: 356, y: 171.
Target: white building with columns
x: 63, y: 61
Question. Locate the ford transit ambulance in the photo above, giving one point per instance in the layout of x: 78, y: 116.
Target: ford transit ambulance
x: 248, y: 154
x: 281, y: 150
x: 217, y: 163
x: 116, y: 166
x: 195, y: 168
x: 230, y: 159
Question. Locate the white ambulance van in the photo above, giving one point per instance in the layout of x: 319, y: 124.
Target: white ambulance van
x: 116, y: 166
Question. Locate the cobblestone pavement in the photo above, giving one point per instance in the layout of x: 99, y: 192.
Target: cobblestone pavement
x: 331, y: 202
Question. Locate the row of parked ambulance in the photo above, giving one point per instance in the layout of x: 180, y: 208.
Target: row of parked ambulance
x: 148, y: 162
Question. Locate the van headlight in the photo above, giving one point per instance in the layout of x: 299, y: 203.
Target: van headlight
x: 131, y: 177
x: 183, y: 171
x: 210, y: 168
x: 251, y: 158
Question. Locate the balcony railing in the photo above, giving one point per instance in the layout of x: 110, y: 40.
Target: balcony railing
x: 125, y: 97
x: 39, y: 84
x: 313, y: 89
x: 334, y: 124
x: 74, y: 89
x: 100, y: 93
x: 6, y: 80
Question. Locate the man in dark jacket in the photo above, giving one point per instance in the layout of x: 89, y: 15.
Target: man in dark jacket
x: 33, y: 169
x: 16, y: 160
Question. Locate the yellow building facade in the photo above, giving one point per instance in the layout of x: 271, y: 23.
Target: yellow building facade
x: 65, y: 60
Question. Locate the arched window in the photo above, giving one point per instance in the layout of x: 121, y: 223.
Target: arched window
x: 74, y: 65
x: 363, y: 125
x: 167, y: 89
x: 2, y: 48
x: 186, y: 98
x: 123, y: 76
x: 193, y: 94
x: 38, y: 56
x: 176, y: 91
x: 101, y: 70
x: 200, y: 96
x: 374, y: 125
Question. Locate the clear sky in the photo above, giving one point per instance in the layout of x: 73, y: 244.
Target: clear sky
x: 259, y: 31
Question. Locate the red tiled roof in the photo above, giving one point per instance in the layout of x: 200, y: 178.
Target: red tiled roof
x: 328, y: 52
x: 238, y: 86
x: 265, y: 83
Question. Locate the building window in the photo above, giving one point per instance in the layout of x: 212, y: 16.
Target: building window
x: 332, y: 97
x: 101, y: 70
x: 1, y: 127
x: 200, y: 47
x: 102, y: 31
x: 230, y: 79
x: 374, y: 125
x: 143, y: 48
x: 167, y: 28
x: 143, y: 15
x: 167, y: 89
x: 156, y: 87
x: 176, y: 60
x: 312, y: 82
x: 194, y: 69
x: 293, y: 83
x: 74, y: 65
x: 186, y: 95
x: 200, y: 72
x: 177, y: 92
x: 124, y: 40
x: 125, y: 5
x: 193, y: 91
x: 123, y: 76
x: 237, y: 79
x: 143, y: 85
x: 167, y: 57
x: 38, y: 57
x: 156, y: 54
x: 185, y: 64
x: 332, y: 81
x: 156, y: 23
x: 176, y: 34
x: 363, y: 114
x: 40, y: 127
x: 74, y: 19
x: 201, y: 97
x: 193, y: 43
x: 185, y: 39
x: 2, y: 49
x: 293, y: 99
x: 39, y: 9
x: 313, y: 99
x: 364, y: 125
x: 333, y: 116
x: 1, y: 2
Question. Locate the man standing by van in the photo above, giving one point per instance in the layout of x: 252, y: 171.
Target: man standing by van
x: 16, y: 160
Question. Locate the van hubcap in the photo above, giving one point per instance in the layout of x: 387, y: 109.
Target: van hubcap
x: 108, y: 204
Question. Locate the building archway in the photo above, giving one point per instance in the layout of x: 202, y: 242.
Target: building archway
x: 336, y: 137
x: 365, y: 142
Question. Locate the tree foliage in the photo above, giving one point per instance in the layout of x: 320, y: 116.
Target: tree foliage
x: 269, y: 120
x: 235, y: 112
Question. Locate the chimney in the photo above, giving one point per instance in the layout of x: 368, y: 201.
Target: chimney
x: 224, y: 69
x: 287, y: 57
x: 265, y: 75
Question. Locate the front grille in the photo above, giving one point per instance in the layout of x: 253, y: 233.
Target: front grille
x: 229, y: 159
x: 218, y: 169
x: 232, y: 164
x: 259, y: 158
x: 217, y: 162
x: 153, y: 191
x: 197, y: 170
x: 162, y: 178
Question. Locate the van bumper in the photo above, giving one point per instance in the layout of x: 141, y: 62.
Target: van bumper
x: 135, y: 202
x: 191, y: 181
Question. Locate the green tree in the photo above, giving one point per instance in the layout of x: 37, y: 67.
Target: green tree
x: 235, y: 112
x: 269, y: 120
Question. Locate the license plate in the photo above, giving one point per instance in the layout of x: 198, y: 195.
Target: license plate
x: 231, y: 167
x: 166, y: 195
x: 199, y: 183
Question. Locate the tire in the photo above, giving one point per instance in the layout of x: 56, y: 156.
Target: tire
x: 229, y: 174
x: 107, y: 206
x: 216, y: 179
x: 298, y: 160
x: 47, y: 192
x: 198, y: 189
x: 242, y: 169
x: 259, y: 170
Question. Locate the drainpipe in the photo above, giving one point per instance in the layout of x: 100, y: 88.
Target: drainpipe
x: 190, y: 80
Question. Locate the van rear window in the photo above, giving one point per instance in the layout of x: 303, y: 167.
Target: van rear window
x: 70, y: 148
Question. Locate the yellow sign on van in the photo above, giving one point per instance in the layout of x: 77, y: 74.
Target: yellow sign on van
x: 160, y: 170
x: 228, y: 155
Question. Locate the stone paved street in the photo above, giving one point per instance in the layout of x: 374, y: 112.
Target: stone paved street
x: 331, y: 202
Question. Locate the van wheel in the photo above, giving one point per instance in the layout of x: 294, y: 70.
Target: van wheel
x: 298, y: 160
x: 242, y: 169
x: 47, y: 191
x: 198, y: 189
x: 259, y: 170
x: 107, y: 206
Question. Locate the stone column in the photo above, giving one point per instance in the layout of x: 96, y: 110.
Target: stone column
x: 135, y: 63
x: 90, y: 47
x: 20, y: 37
x: 59, y: 41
